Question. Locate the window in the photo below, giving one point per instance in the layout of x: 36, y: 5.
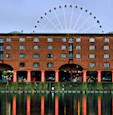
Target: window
x: 36, y: 65
x: 8, y: 39
x: 1, y: 56
x: 78, y: 55
x: 63, y: 39
x: 36, y: 39
x: 91, y: 55
x: 106, y: 39
x: 22, y: 55
x: 50, y: 55
x: 22, y: 64
x: 22, y: 47
x: 50, y: 47
x: 106, y: 65
x: 71, y: 40
x: 22, y: 39
x: 1, y: 47
x: 50, y: 40
x: 106, y: 56
x: 50, y: 65
x: 1, y: 40
x: 36, y: 55
x: 106, y: 47
x: 8, y: 47
x: 78, y: 47
x: 63, y: 55
x: 63, y: 47
x: 78, y: 40
x: 92, y: 40
x: 36, y: 47
x: 91, y: 47
x: 91, y: 65
x: 8, y: 56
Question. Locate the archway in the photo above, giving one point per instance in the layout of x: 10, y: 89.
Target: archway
x: 70, y: 72
x: 6, y: 72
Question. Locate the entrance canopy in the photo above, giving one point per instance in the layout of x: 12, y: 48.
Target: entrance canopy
x: 67, y: 67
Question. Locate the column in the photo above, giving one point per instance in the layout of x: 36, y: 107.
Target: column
x: 28, y: 105
x: 84, y: 76
x: 99, y: 76
x: 14, y: 106
x: 56, y: 105
x: 28, y: 75
x: 99, y: 105
x: 112, y: 76
x: 42, y: 75
x: 42, y: 106
x: 14, y: 76
x: 56, y: 75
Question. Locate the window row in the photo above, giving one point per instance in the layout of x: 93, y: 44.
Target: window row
x: 93, y: 65
x: 36, y: 64
x: 63, y: 47
x: 50, y: 65
x: 91, y: 56
x: 51, y: 40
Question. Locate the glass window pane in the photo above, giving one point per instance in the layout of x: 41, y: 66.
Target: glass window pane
x: 36, y: 39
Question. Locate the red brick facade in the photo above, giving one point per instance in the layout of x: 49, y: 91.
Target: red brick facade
x: 57, y: 43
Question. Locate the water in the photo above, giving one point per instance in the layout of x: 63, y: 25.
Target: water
x: 56, y: 104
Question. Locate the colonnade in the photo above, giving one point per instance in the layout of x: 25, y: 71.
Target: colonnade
x: 56, y: 76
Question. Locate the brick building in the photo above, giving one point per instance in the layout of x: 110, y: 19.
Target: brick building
x: 56, y: 57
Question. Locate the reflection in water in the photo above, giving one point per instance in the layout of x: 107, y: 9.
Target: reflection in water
x: 56, y: 104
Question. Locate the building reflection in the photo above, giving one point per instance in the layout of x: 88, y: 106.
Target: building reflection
x: 72, y: 104
x: 42, y: 105
x: 28, y: 105
x: 14, y: 105
x: 99, y: 105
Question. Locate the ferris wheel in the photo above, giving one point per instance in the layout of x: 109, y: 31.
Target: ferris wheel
x: 68, y: 19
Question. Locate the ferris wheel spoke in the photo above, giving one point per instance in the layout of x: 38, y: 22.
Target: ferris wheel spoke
x: 77, y: 20
x: 71, y: 19
x: 89, y: 28
x: 52, y: 24
x: 58, y: 19
x: 83, y: 23
x: 64, y: 16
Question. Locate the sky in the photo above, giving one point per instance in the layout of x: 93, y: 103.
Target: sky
x: 17, y: 15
